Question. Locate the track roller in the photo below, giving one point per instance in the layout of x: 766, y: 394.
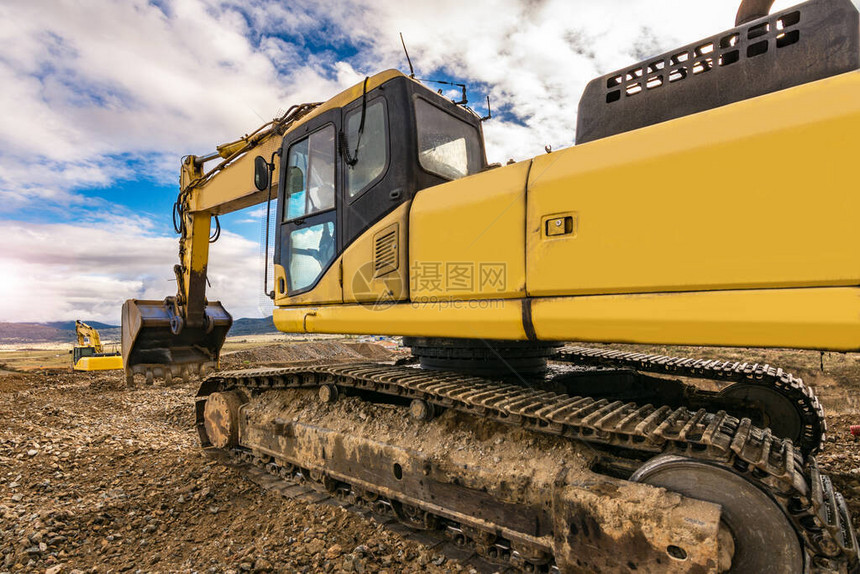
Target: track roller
x: 328, y: 393
x: 421, y: 410
x: 221, y: 418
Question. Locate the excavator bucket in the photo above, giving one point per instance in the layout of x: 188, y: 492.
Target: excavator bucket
x: 151, y: 348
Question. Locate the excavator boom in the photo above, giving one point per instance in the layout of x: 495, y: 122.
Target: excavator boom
x: 183, y: 334
x: 88, y: 336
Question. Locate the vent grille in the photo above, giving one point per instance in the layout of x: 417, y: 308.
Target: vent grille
x: 804, y: 43
x: 698, y: 59
x: 385, y: 251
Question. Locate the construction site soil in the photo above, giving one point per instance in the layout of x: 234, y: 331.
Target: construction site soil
x: 98, y: 478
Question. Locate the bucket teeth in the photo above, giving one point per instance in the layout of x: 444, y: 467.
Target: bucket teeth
x: 151, y: 349
x: 168, y: 374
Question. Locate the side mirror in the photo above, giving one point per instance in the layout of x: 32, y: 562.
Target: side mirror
x: 261, y: 173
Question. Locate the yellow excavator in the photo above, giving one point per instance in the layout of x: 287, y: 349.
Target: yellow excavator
x: 710, y: 200
x: 89, y: 353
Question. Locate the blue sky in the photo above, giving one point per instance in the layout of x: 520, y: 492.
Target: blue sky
x: 102, y: 99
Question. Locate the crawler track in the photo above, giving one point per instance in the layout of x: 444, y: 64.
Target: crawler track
x: 627, y: 430
x: 782, y: 382
x: 453, y: 539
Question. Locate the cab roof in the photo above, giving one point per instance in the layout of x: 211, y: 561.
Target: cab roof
x: 350, y: 94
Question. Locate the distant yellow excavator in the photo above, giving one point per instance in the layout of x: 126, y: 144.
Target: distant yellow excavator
x: 89, y: 355
x: 711, y: 199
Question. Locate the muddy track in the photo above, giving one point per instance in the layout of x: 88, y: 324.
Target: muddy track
x: 819, y: 514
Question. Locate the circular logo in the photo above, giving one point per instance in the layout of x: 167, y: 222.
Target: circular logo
x: 377, y: 292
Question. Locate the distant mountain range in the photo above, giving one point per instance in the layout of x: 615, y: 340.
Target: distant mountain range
x: 64, y: 331
x: 69, y: 325
x: 252, y: 327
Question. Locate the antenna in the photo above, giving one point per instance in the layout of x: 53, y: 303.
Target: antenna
x: 462, y: 87
x: 489, y: 111
x: 411, y: 71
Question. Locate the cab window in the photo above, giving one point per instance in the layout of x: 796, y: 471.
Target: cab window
x: 310, y: 175
x: 311, y: 250
x: 447, y: 146
x: 371, y: 146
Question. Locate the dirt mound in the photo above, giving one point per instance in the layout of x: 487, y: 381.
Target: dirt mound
x: 10, y: 382
x: 306, y: 353
x: 373, y: 351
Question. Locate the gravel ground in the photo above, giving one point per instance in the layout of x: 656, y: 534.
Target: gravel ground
x: 94, y: 478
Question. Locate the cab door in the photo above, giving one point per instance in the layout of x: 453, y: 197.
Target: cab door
x: 377, y: 189
x: 308, y: 243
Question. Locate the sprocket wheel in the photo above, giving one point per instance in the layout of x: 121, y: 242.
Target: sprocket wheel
x: 767, y: 407
x: 756, y: 536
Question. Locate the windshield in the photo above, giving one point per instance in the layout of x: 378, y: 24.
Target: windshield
x: 372, y: 150
x: 310, y: 175
x: 447, y: 146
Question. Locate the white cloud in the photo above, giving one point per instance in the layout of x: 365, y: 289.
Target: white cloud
x: 536, y: 57
x: 254, y: 215
x: 52, y: 272
x: 86, y: 82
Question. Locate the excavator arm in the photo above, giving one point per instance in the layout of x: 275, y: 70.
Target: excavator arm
x: 183, y: 334
x: 88, y: 337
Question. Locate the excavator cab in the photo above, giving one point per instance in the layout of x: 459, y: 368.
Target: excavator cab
x: 350, y: 166
x: 335, y: 169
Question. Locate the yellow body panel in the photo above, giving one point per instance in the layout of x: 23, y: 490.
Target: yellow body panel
x: 730, y: 227
x: 467, y: 237
x: 111, y: 363
x: 361, y: 280
x: 329, y: 289
x: 490, y: 319
x: 758, y: 194
x: 820, y: 318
